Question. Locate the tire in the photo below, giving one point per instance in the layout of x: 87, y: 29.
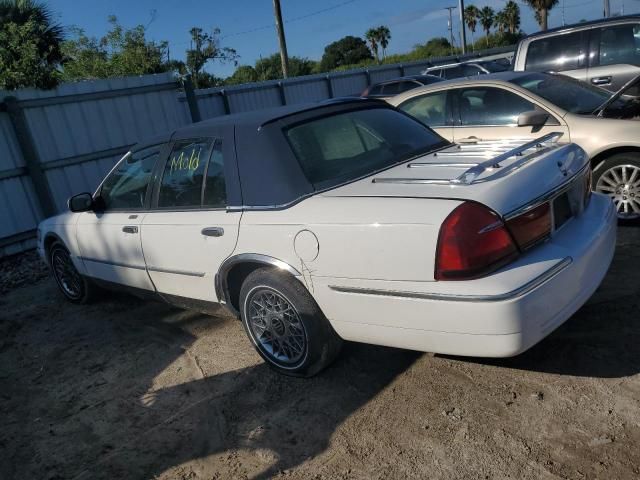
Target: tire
x: 285, y: 325
x: 618, y: 176
x: 75, y: 287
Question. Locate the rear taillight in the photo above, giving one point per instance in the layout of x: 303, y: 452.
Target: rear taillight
x: 532, y: 226
x: 473, y: 242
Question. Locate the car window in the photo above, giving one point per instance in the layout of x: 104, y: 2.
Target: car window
x: 620, y: 44
x: 567, y: 93
x: 181, y: 184
x: 344, y: 146
x: 376, y: 90
x: 215, y: 191
x: 407, y: 85
x: 430, y: 109
x: 126, y: 186
x: 470, y: 70
x: 437, y: 72
x: 556, y: 53
x: 452, y: 72
x: 491, y: 106
x: 391, y: 88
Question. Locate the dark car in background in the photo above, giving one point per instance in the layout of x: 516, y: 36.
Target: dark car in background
x: 389, y: 88
x: 604, y: 52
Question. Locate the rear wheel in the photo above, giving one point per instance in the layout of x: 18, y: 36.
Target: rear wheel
x: 619, y: 177
x: 74, y: 287
x: 286, y: 325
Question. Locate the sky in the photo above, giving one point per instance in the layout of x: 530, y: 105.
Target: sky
x: 248, y: 25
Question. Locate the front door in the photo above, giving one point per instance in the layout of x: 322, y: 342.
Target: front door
x: 189, y: 232
x: 491, y: 113
x: 109, y: 240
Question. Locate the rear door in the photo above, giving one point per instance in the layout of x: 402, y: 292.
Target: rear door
x: 614, y: 55
x: 491, y: 113
x: 188, y: 233
x: 432, y: 109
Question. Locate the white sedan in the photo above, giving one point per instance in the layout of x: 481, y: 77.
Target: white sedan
x: 347, y: 220
x: 525, y: 105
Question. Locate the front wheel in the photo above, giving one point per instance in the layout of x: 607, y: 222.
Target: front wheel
x: 285, y: 324
x: 73, y: 286
x: 619, y: 177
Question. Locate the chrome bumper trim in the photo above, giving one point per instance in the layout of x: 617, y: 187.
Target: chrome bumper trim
x: 518, y: 292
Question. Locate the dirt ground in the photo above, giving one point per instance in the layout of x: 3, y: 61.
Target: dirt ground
x: 131, y: 389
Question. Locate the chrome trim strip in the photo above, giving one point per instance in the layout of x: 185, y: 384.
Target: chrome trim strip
x: 443, y: 165
x: 176, y: 272
x: 518, y: 292
x: 115, y: 264
x: 422, y: 181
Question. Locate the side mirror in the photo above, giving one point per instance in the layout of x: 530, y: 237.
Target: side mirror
x: 534, y: 118
x: 82, y: 202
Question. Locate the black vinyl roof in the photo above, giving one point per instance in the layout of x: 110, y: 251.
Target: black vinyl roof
x: 265, y: 173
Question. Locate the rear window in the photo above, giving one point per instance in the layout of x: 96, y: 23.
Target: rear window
x: 557, y: 53
x: 349, y: 145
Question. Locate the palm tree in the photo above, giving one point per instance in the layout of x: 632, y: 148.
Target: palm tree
x: 372, y: 37
x: 44, y: 35
x: 486, y: 17
x: 500, y: 21
x: 512, y: 16
x: 471, y: 14
x: 384, y: 35
x: 542, y: 8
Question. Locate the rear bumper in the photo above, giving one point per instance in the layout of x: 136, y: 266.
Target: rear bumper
x: 497, y: 316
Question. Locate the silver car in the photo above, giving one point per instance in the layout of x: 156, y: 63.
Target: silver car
x: 603, y: 52
x: 512, y: 106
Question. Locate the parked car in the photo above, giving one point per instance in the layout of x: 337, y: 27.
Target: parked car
x: 393, y: 87
x: 344, y: 221
x: 523, y: 105
x: 604, y: 52
x: 467, y: 69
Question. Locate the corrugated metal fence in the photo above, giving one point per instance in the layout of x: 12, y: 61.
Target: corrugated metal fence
x: 56, y: 143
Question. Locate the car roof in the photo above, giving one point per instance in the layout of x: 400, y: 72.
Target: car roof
x: 582, y: 25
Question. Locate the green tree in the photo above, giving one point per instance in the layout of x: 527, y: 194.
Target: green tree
x: 346, y: 51
x: 384, y: 35
x: 372, y: 37
x: 206, y: 47
x: 270, y: 68
x: 120, y: 52
x: 541, y: 8
x: 30, y: 52
x: 471, y: 14
x: 500, y: 21
x: 243, y: 74
x: 486, y: 18
x: 512, y: 16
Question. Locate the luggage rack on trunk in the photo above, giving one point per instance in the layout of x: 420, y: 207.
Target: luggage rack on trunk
x: 523, y: 152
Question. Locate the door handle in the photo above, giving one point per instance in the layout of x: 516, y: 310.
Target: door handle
x: 601, y: 80
x: 213, y: 231
x: 130, y: 229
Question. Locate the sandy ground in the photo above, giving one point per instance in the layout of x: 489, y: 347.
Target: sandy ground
x: 130, y: 389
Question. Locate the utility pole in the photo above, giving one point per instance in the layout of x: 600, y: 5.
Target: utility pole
x: 607, y: 9
x: 563, y: 22
x: 463, y: 32
x: 284, y: 58
x: 450, y: 27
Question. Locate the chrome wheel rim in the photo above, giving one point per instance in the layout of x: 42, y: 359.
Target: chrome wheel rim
x: 66, y: 274
x: 276, y: 327
x: 622, y: 184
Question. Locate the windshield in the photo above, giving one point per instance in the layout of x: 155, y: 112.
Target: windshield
x: 566, y: 92
x: 493, y: 67
x: 349, y: 145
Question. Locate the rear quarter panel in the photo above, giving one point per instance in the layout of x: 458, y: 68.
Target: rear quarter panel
x: 392, y: 239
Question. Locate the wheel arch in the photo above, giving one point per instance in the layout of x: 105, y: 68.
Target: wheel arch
x: 603, y: 155
x: 49, y: 239
x: 234, y: 270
